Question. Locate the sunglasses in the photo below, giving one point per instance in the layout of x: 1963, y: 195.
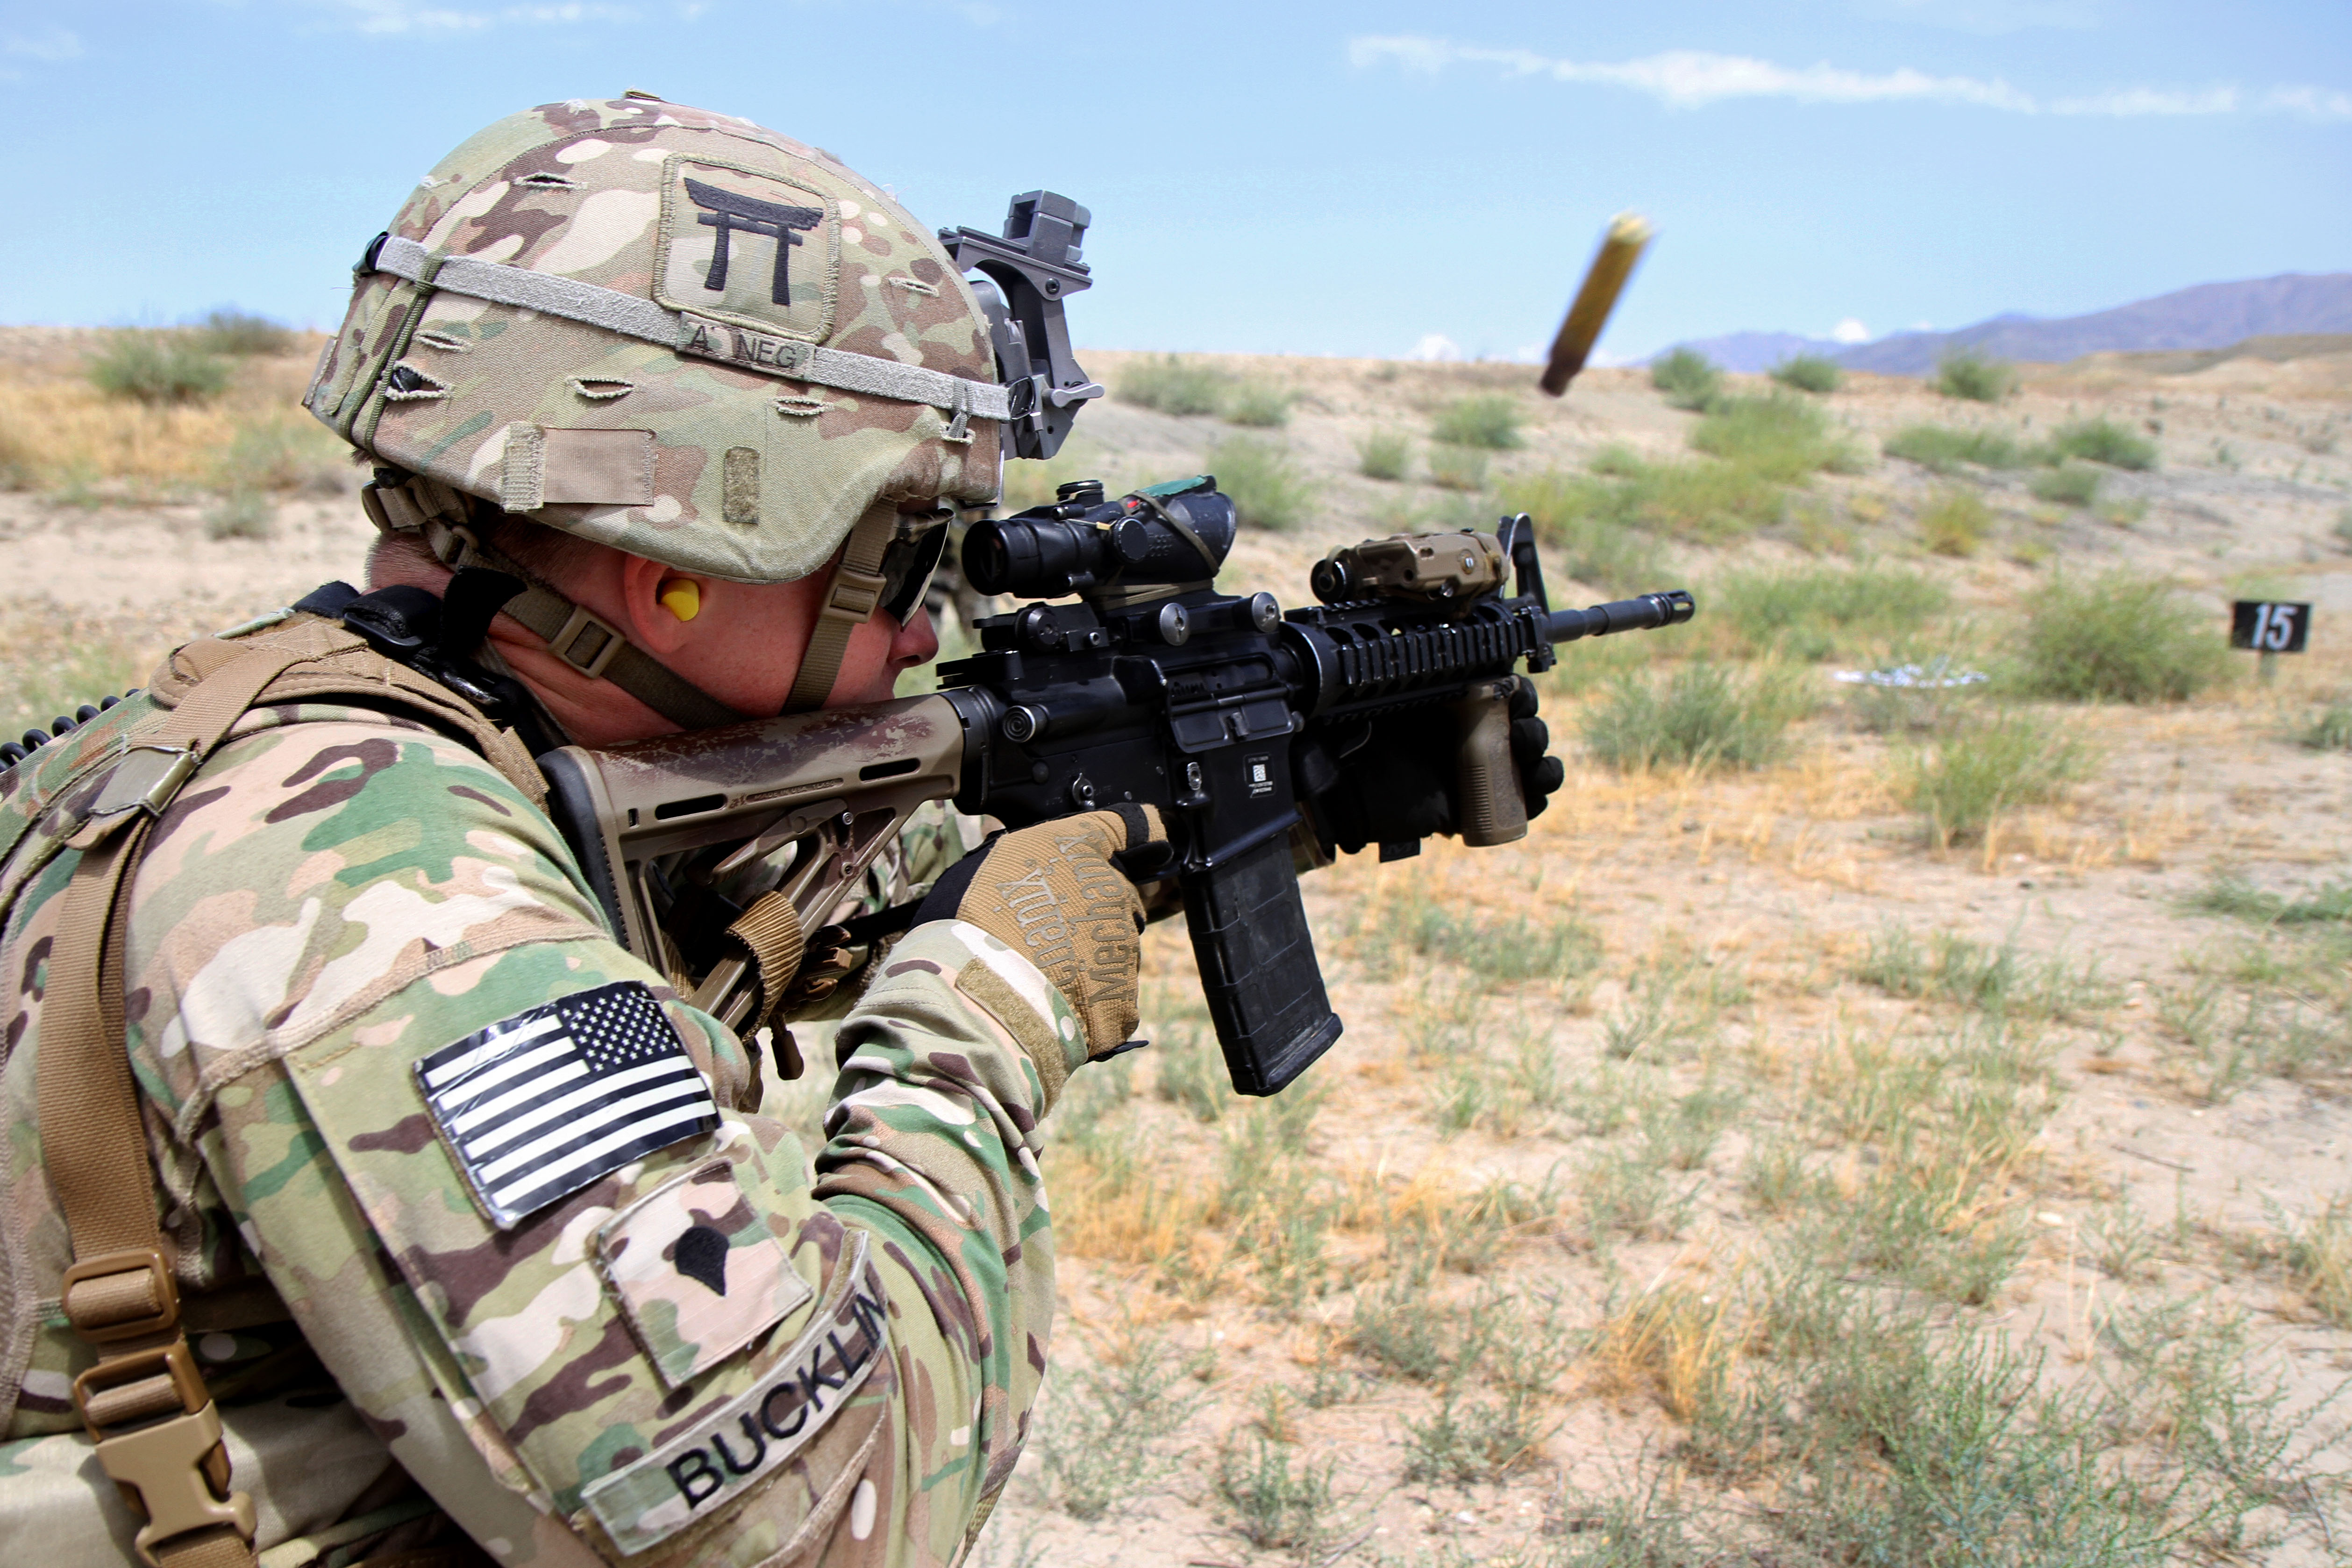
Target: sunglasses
x: 910, y: 559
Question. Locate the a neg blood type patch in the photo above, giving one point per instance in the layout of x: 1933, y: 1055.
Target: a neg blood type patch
x: 539, y: 1106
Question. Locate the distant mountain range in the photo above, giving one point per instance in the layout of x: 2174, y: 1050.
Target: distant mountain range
x: 2208, y: 316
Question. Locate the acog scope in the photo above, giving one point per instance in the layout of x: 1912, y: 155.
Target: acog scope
x: 1176, y: 534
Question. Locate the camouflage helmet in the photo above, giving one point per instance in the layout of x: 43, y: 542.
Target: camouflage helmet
x: 667, y: 331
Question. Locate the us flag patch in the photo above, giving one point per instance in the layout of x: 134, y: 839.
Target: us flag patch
x: 541, y: 1105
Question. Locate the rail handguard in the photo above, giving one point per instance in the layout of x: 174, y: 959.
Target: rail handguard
x: 726, y: 858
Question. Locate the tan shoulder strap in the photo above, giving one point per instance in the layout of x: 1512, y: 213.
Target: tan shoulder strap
x: 144, y: 1404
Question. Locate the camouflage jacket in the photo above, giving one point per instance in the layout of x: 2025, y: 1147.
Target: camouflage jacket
x: 699, y: 1352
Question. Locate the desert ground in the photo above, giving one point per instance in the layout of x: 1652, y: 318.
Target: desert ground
x: 1856, y: 1125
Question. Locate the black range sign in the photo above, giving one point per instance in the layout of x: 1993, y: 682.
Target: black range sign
x: 2268, y: 627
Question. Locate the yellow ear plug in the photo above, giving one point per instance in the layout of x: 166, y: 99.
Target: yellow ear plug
x: 682, y: 597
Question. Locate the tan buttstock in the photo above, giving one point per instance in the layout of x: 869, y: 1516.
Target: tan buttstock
x: 814, y: 796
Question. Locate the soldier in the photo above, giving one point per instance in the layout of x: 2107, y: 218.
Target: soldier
x: 428, y: 1225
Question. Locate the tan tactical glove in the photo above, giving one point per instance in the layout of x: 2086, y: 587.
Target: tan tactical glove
x: 1053, y: 893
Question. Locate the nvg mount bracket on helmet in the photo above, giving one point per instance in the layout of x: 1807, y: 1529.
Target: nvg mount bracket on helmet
x: 1025, y: 274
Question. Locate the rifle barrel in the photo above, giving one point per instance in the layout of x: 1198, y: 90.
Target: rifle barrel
x: 1646, y: 612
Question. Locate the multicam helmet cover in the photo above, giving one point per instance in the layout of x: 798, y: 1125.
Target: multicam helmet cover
x: 670, y: 331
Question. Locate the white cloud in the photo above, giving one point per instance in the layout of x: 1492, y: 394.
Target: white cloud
x: 1694, y: 79
x: 1435, y: 345
x: 1850, y: 331
x: 2309, y: 103
x: 395, y: 18
x: 49, y: 46
x: 1983, y: 15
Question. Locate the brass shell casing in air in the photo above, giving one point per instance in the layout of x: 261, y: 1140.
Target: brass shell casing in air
x: 1603, y: 281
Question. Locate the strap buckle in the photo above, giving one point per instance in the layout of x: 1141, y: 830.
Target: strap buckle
x: 177, y: 1466
x: 111, y: 1309
x: 854, y: 596
x: 581, y: 625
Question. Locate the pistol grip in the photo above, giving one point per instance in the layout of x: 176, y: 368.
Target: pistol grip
x: 1491, y: 809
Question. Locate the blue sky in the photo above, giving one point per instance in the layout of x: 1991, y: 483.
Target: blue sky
x: 1365, y: 179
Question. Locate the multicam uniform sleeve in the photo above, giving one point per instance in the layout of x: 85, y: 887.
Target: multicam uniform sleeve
x: 445, y: 1111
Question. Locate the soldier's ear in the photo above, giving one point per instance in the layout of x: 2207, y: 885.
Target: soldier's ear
x: 651, y: 600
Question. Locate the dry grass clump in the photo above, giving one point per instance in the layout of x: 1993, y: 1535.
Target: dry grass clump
x: 61, y: 432
x: 1954, y: 523
x: 1673, y: 1342
x: 1457, y: 467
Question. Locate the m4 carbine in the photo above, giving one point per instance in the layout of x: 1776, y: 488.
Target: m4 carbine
x: 727, y: 858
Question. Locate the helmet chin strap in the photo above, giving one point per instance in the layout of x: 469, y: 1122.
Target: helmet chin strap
x: 850, y: 599
x: 581, y: 638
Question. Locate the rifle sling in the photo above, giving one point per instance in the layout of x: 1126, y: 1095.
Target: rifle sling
x: 144, y: 1404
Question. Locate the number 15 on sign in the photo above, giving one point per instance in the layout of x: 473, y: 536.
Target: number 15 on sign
x: 2268, y: 627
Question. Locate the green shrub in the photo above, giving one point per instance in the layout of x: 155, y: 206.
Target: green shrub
x: 2103, y: 441
x: 1940, y: 448
x: 1267, y: 490
x: 1954, y: 523
x: 157, y: 368
x: 1384, y: 455
x: 1809, y: 614
x: 1779, y: 438
x: 1688, y: 377
x: 2069, y: 484
x: 1259, y: 406
x: 1706, y: 501
x: 2332, y: 730
x: 1491, y: 422
x: 1270, y: 1504
x: 1703, y: 716
x: 1808, y: 372
x: 1964, y: 373
x: 1457, y: 467
x: 240, y: 514
x: 1173, y: 384
x: 1984, y: 766
x: 282, y: 455
x: 2120, y: 637
x: 2343, y: 529
x: 1591, y: 543
x: 232, y: 331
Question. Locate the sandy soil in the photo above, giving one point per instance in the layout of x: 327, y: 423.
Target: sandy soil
x: 1781, y: 879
